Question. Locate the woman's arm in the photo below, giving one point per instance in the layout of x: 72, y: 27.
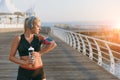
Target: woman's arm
x: 48, y: 47
x: 49, y: 44
x: 13, y: 51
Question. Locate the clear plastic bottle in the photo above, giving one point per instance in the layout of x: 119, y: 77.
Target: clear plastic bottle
x: 30, y: 50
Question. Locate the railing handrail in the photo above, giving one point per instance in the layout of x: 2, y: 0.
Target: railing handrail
x: 90, y: 37
x: 100, y: 51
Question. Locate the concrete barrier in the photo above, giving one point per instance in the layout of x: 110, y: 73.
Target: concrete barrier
x: 3, y: 30
x: 45, y: 30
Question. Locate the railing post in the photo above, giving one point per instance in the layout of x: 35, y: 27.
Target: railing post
x: 99, y: 53
x: 73, y: 41
x: 67, y: 38
x: 83, y: 44
x: 112, y: 62
x: 78, y: 43
x: 70, y: 37
x: 63, y: 36
x: 90, y: 49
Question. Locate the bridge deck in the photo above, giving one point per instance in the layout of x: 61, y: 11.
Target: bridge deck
x: 63, y: 63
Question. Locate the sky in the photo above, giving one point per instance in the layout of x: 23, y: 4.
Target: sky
x: 73, y: 10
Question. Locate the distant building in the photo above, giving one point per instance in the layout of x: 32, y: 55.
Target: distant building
x: 9, y: 13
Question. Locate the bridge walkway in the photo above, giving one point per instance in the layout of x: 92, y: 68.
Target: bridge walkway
x: 63, y: 63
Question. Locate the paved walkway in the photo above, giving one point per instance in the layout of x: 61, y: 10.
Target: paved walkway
x: 63, y: 63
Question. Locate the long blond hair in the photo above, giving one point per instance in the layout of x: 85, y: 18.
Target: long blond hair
x: 26, y: 22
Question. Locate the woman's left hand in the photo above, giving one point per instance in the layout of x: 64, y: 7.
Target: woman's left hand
x: 36, y: 54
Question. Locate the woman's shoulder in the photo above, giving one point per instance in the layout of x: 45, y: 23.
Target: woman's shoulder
x: 17, y: 38
x: 40, y: 37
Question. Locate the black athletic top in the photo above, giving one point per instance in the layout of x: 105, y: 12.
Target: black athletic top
x: 24, y: 45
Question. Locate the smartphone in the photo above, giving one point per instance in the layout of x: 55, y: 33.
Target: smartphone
x: 47, y: 40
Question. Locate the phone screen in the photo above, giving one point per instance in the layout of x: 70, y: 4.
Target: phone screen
x: 49, y: 39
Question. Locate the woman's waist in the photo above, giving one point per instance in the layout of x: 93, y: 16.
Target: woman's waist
x: 36, y: 64
x: 31, y: 66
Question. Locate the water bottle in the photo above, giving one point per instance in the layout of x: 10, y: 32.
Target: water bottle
x: 30, y: 50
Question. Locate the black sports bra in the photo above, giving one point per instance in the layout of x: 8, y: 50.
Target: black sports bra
x: 24, y: 45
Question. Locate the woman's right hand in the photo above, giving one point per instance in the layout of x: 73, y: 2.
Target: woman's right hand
x: 28, y: 62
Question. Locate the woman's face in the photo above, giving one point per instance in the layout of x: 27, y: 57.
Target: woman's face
x: 37, y: 27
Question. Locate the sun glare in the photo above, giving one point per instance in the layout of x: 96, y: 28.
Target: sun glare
x: 117, y: 26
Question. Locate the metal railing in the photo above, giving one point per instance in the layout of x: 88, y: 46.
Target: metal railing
x: 104, y: 53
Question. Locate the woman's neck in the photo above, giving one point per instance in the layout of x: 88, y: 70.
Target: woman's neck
x: 28, y: 34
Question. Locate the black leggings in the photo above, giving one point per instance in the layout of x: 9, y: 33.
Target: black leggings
x: 24, y: 74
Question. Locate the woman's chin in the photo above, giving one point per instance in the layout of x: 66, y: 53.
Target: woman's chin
x: 37, y: 32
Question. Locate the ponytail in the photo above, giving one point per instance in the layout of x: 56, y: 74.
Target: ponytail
x: 25, y: 24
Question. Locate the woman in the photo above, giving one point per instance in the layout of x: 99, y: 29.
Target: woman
x: 30, y: 63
